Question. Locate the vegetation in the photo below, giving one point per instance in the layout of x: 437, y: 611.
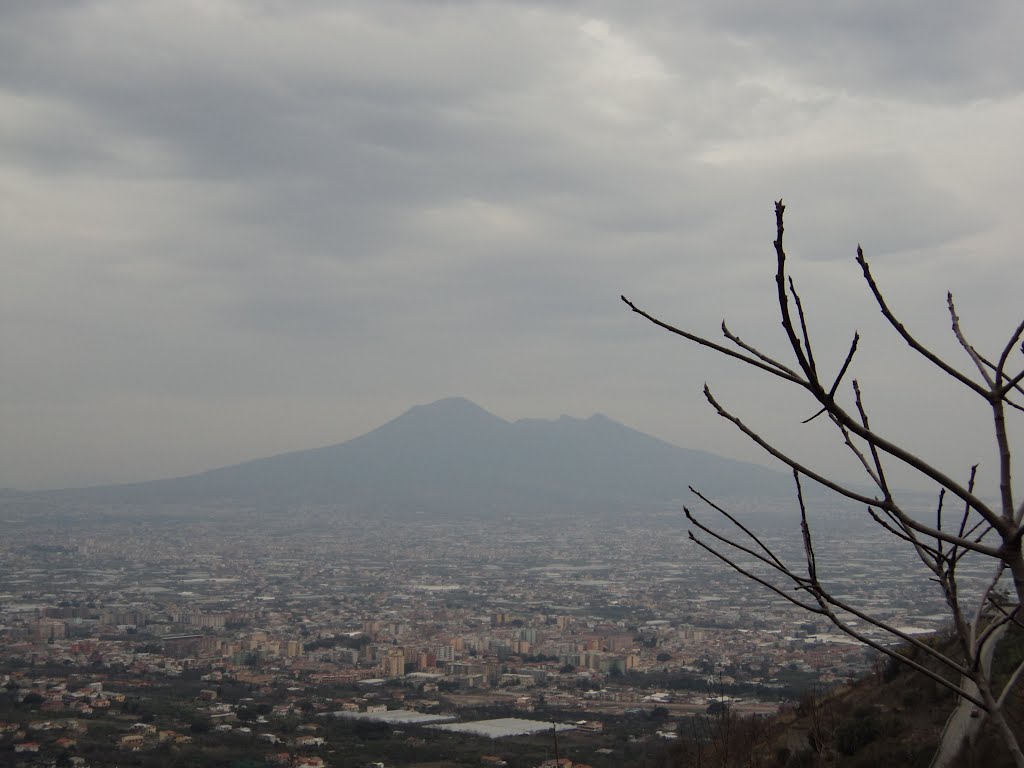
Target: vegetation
x: 895, y: 717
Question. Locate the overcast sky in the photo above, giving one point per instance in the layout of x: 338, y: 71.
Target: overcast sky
x: 235, y: 229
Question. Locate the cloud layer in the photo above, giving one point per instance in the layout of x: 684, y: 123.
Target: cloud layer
x: 234, y: 229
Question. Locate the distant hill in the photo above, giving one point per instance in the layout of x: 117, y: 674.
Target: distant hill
x: 454, y: 458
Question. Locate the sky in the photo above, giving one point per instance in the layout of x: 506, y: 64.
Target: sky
x: 235, y: 229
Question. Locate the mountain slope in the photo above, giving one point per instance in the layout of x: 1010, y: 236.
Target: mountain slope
x: 454, y: 457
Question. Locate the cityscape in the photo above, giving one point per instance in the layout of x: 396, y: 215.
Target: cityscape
x: 264, y: 626
x: 435, y: 384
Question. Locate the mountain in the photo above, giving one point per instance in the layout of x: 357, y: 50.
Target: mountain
x: 453, y: 457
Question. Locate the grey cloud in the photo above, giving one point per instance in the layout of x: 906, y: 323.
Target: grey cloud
x: 929, y: 51
x: 292, y: 209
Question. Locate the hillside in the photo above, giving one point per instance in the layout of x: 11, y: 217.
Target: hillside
x: 892, y: 718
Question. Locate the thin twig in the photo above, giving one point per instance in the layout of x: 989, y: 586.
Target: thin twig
x: 753, y: 577
x: 842, y: 490
x: 970, y: 350
x: 803, y: 327
x: 1014, y: 338
x: 737, y: 523
x: 782, y: 374
x: 780, y: 287
x: 777, y: 565
x: 875, y: 457
x: 846, y: 364
x: 907, y: 337
x: 844, y: 627
x: 756, y: 352
x: 805, y: 528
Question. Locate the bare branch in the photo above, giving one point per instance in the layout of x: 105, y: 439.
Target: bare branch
x: 791, y: 463
x: 780, y: 284
x: 902, y: 533
x: 842, y: 490
x: 965, y: 517
x: 977, y: 539
x: 1005, y: 468
x: 994, y: 626
x: 970, y: 486
x: 938, y: 518
x: 861, y: 457
x: 763, y: 582
x: 1015, y: 406
x: 1017, y: 387
x: 960, y: 691
x: 1014, y: 338
x: 976, y: 622
x: 915, y: 462
x: 838, y: 379
x: 809, y: 419
x: 774, y: 562
x: 814, y: 387
x: 902, y: 331
x: 947, y: 541
x: 814, y: 586
x: 805, y: 528
x: 971, y: 352
x: 883, y: 484
x: 1012, y: 617
x: 767, y: 550
x: 780, y: 372
x: 847, y: 608
x: 1015, y: 677
x: 847, y: 629
x: 803, y: 327
x: 756, y: 352
x: 1010, y: 384
x: 846, y: 365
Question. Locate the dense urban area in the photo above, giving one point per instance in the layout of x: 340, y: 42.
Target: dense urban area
x: 317, y: 639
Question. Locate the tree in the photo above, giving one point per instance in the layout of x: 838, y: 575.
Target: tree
x: 991, y: 530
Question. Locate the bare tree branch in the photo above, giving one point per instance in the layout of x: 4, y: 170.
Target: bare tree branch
x: 735, y: 522
x: 753, y: 577
x: 756, y: 352
x: 771, y: 562
x: 845, y: 366
x: 846, y: 628
x: 780, y: 372
x: 803, y: 327
x: 838, y: 488
x: 902, y: 532
x: 780, y: 284
x: 970, y: 350
x: 940, y: 547
x: 1014, y: 678
x: 883, y: 485
x: 1014, y: 338
x: 1010, y: 384
x: 902, y: 331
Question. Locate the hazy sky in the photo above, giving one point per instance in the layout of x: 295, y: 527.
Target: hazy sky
x: 234, y: 229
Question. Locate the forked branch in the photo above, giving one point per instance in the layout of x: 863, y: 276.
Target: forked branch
x: 940, y: 546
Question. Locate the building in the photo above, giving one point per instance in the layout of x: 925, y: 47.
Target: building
x: 394, y: 663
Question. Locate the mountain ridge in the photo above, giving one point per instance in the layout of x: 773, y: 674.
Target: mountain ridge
x: 454, y: 457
